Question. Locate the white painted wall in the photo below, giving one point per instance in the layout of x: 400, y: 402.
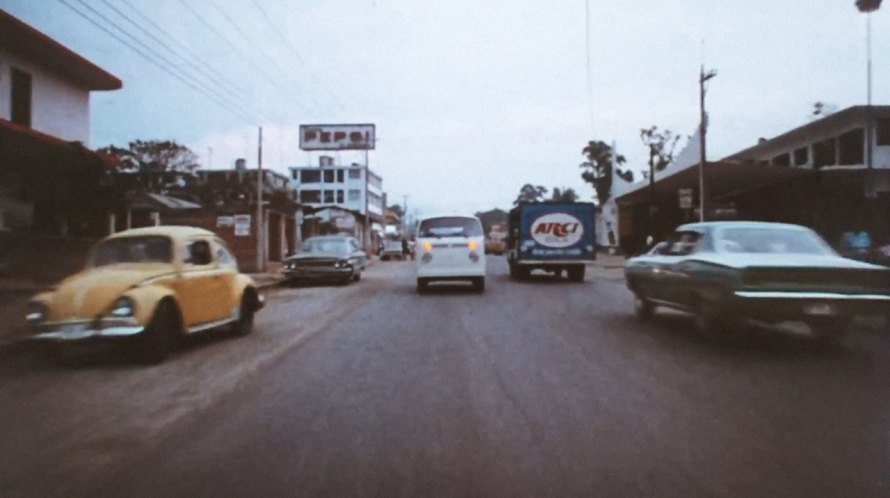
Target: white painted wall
x: 58, y: 107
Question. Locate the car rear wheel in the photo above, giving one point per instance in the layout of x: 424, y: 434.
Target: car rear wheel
x: 576, y: 273
x: 712, y: 317
x: 160, y: 336
x: 643, y: 307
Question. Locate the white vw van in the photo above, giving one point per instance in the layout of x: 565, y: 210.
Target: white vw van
x: 450, y: 247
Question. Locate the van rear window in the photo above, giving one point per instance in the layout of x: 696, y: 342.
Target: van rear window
x: 450, y: 226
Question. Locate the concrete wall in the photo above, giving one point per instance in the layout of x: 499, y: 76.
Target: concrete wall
x: 58, y: 107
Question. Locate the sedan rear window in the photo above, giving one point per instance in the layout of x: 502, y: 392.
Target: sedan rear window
x: 450, y: 226
x: 326, y: 246
x: 771, y: 241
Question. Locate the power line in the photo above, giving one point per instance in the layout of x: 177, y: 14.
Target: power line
x: 296, y: 53
x: 159, y: 65
x: 238, y: 52
x: 589, y: 76
x: 193, y: 61
x: 272, y: 61
x: 164, y: 59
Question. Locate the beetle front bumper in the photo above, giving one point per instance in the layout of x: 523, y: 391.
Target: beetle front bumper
x: 86, y: 330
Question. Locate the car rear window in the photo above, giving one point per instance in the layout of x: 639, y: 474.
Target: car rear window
x: 450, y: 226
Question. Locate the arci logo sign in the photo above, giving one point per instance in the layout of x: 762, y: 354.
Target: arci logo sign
x: 557, y: 230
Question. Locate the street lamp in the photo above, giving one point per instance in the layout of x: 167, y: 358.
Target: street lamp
x: 702, y: 132
x: 867, y: 7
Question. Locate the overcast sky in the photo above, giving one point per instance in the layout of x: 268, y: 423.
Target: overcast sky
x: 471, y: 98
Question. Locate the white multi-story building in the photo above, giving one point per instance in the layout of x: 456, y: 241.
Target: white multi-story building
x: 349, y: 197
x: 353, y: 188
x: 46, y: 170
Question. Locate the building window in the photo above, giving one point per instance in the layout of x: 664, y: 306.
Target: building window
x: 823, y: 153
x: 329, y: 176
x: 339, y: 176
x: 310, y: 196
x: 882, y: 131
x: 295, y: 174
x: 355, y: 194
x: 339, y: 197
x: 782, y: 160
x: 329, y: 196
x: 310, y: 176
x: 21, y: 97
x: 852, y: 147
x: 801, y: 156
x: 355, y: 173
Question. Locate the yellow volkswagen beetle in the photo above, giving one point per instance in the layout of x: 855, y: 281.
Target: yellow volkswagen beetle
x: 151, y: 285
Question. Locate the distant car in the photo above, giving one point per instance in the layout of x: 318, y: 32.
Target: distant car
x: 150, y: 285
x: 726, y: 272
x: 495, y: 246
x: 392, y: 249
x: 330, y: 257
x: 450, y: 248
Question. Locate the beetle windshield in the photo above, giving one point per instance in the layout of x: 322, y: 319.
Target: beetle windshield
x: 771, y: 240
x: 450, y: 226
x: 326, y: 246
x: 144, y: 249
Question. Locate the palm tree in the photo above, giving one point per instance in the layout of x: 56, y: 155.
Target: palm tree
x: 599, y: 168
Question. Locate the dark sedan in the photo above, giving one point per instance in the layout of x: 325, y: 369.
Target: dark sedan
x: 332, y: 257
x: 728, y: 272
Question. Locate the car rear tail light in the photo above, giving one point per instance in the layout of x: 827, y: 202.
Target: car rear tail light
x: 427, y: 247
x: 473, y: 245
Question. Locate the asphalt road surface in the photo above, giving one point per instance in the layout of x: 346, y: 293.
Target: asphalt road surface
x: 530, y: 389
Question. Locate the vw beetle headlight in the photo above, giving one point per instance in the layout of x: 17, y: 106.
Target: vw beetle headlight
x: 36, y: 313
x: 123, y: 308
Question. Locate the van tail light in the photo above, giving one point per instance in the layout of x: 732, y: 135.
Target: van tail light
x: 473, y: 245
x: 427, y: 247
x: 474, y: 256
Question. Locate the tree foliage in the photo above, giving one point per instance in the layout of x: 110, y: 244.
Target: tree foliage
x: 564, y: 195
x: 531, y: 193
x: 600, y: 167
x: 153, y: 156
x: 491, y: 218
x: 661, y: 144
x: 396, y: 209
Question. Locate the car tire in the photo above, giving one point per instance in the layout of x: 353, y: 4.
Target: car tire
x: 244, y: 325
x: 357, y: 277
x: 422, y: 285
x: 643, y: 308
x: 479, y: 284
x: 712, y: 317
x: 160, y: 336
x: 576, y: 273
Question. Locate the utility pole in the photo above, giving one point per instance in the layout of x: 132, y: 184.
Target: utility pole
x: 867, y: 7
x: 260, y: 259
x: 404, y: 215
x: 702, y: 131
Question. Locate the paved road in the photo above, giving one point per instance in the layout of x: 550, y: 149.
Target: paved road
x: 544, y: 389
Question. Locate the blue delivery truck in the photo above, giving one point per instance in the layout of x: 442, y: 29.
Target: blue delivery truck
x: 551, y: 236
